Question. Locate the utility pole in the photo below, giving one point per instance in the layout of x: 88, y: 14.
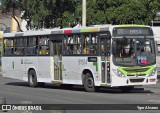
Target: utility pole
x: 83, y: 12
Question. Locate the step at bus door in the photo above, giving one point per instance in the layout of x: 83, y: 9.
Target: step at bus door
x: 57, y: 59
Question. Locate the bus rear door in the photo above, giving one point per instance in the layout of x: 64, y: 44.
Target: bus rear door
x: 56, y: 48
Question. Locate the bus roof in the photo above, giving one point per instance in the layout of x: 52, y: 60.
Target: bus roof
x: 59, y: 31
x: 95, y: 28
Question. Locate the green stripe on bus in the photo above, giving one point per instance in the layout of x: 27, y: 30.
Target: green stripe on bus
x: 85, y: 30
x: 90, y: 30
x: 95, y: 64
x: 134, y: 70
x: 150, y: 70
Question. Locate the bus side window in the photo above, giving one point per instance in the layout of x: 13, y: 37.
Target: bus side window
x: 69, y: 45
x: 85, y: 44
x: 90, y: 44
x: 8, y: 47
x: 43, y: 50
x: 17, y: 52
x: 93, y: 49
x: 43, y: 45
x: 32, y: 46
x: 85, y: 50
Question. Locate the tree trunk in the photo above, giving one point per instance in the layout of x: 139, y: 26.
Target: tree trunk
x: 17, y: 23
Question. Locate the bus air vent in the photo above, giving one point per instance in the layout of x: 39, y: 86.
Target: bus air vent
x: 136, y: 80
x: 136, y: 75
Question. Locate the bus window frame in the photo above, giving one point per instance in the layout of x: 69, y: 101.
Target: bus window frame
x: 108, y: 36
x: 81, y: 39
x: 38, y: 50
x: 14, y: 47
x: 27, y: 46
x: 3, y: 47
x: 63, y: 45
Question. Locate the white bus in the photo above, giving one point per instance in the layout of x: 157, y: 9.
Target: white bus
x: 116, y: 56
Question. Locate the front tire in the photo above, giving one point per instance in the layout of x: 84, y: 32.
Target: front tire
x: 89, y: 83
x: 126, y: 89
x: 32, y: 78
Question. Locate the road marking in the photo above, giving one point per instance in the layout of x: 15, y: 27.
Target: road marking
x: 154, y: 101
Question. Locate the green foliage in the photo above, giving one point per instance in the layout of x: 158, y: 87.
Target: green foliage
x: 67, y: 13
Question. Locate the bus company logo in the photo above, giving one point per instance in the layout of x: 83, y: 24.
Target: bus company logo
x: 6, y: 107
x: 136, y: 75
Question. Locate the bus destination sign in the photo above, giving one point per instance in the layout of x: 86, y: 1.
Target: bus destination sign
x: 120, y: 31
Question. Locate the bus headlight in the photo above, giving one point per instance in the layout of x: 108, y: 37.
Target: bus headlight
x: 152, y: 73
x: 118, y: 73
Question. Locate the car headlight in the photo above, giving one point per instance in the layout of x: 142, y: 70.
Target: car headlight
x: 152, y: 73
x: 118, y: 73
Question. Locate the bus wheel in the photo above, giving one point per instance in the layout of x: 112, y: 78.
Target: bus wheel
x: 126, y: 89
x: 89, y: 83
x: 32, y: 78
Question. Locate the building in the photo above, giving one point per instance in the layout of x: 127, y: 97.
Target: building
x: 5, y: 22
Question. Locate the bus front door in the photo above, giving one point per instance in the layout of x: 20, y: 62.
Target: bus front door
x: 57, y: 59
x: 105, y: 60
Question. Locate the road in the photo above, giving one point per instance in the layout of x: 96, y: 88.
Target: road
x: 16, y: 91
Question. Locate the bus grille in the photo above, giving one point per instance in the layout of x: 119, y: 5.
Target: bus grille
x: 136, y: 75
x: 136, y: 80
x: 135, y: 70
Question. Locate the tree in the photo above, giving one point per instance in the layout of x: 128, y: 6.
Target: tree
x: 11, y: 6
x: 67, y: 13
x: 120, y: 11
x: 47, y: 13
x: 28, y: 9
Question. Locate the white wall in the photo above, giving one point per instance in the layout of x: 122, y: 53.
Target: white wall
x: 156, y: 31
x: 23, y: 25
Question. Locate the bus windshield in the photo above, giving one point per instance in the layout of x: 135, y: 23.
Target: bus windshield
x: 133, y: 51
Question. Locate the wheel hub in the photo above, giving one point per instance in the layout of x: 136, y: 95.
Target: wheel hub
x: 90, y: 82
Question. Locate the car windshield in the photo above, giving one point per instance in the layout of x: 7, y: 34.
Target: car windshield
x: 133, y: 51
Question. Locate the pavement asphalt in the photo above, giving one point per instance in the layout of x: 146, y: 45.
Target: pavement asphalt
x: 17, y: 91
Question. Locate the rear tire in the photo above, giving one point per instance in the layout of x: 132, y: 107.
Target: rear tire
x: 32, y: 78
x: 126, y: 89
x: 89, y: 83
